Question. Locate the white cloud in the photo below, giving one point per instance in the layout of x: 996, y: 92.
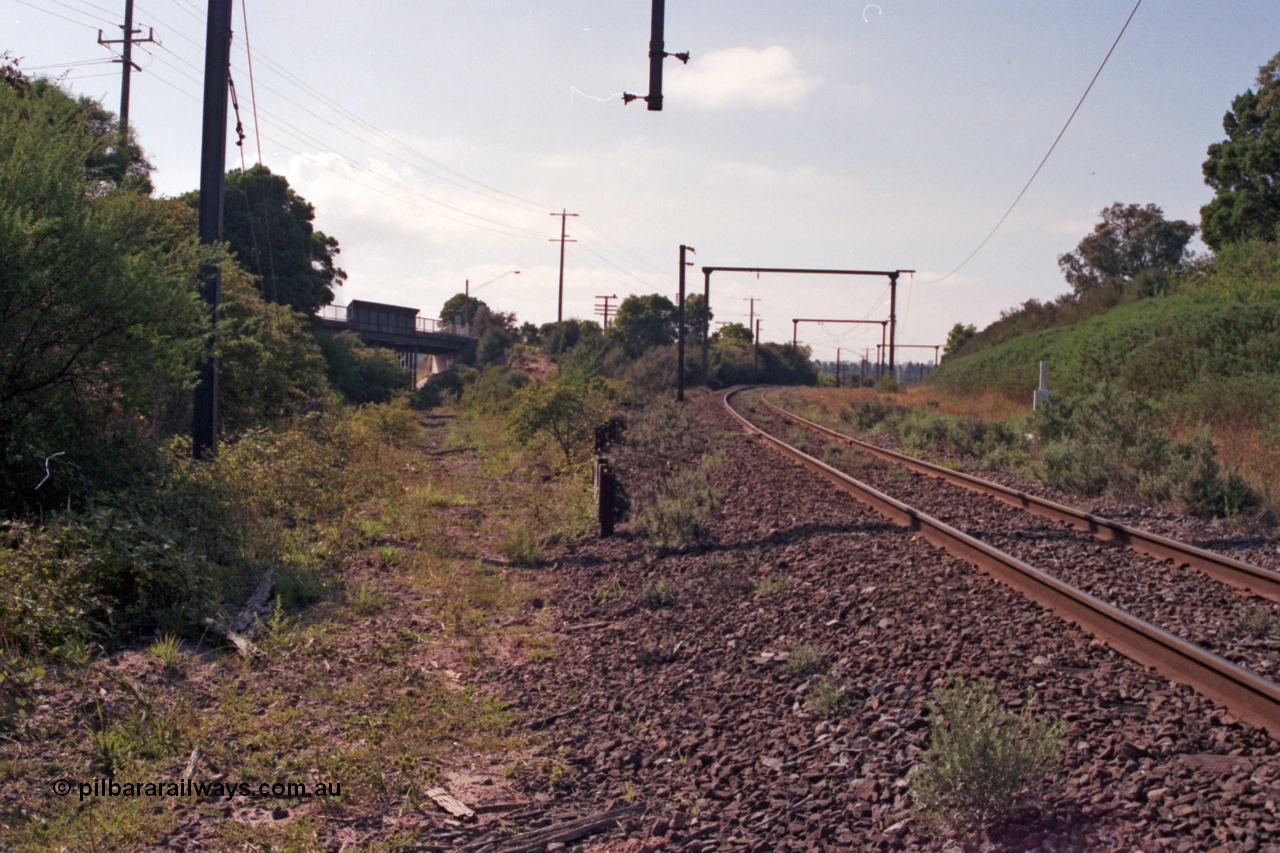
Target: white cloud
x: 740, y: 76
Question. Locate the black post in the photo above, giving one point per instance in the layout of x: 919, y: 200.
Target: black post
x: 706, y: 333
x: 656, y: 48
x: 893, y: 315
x: 213, y: 167
x: 127, y: 56
x: 680, y: 329
x: 884, y: 325
x: 606, y: 486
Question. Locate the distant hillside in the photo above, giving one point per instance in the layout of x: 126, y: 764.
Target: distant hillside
x: 1209, y: 358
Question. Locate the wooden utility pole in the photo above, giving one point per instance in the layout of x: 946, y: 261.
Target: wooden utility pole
x: 755, y: 356
x: 604, y: 311
x: 563, y: 214
x: 751, y: 317
x: 213, y: 170
x: 126, y: 59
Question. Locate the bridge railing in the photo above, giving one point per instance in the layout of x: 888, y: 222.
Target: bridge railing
x: 338, y: 313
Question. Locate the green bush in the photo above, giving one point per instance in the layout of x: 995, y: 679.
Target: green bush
x: 831, y: 696
x: 806, y: 660
x: 522, y: 547
x: 561, y: 411
x: 985, y: 761
x: 658, y: 594
x: 888, y: 384
x: 868, y: 415
x: 1115, y: 444
x: 494, y: 389
x: 361, y: 373
x: 676, y: 509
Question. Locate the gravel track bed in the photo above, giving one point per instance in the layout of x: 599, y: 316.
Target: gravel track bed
x: 1240, y: 627
x: 1249, y: 541
x: 689, y: 708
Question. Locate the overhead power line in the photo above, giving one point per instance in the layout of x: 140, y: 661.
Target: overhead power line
x: 1027, y: 186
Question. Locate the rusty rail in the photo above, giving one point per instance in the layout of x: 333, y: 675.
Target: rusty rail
x: 1260, y: 581
x: 1245, y: 694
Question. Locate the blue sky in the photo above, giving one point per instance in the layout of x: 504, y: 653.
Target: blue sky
x: 435, y: 139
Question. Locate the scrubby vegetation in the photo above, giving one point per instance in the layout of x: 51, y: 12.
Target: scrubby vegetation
x: 984, y: 761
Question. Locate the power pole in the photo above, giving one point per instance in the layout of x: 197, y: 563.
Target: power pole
x: 127, y: 61
x: 837, y: 367
x: 751, y: 321
x: 603, y: 310
x: 563, y: 239
x: 213, y: 170
x: 755, y: 357
x: 680, y: 326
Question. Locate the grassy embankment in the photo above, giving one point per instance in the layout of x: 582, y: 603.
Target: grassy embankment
x: 396, y: 590
x: 1211, y: 364
x: 1189, y: 381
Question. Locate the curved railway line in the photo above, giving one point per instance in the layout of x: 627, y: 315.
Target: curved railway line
x: 1111, y: 593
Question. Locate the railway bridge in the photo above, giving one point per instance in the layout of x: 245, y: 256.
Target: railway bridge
x: 422, y: 345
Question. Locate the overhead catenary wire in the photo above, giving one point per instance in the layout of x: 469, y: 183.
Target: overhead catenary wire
x: 109, y: 22
x: 493, y: 193
x: 1048, y: 153
x: 350, y: 162
x: 572, y: 251
x: 96, y: 6
x: 56, y: 15
x: 608, y: 251
x: 79, y: 63
x: 253, y: 95
x: 620, y: 250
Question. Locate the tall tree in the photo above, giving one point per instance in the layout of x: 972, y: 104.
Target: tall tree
x: 99, y: 317
x: 697, y: 318
x: 1129, y: 239
x: 269, y: 228
x: 644, y: 322
x: 734, y: 334
x: 462, y: 309
x: 956, y: 338
x: 1244, y: 169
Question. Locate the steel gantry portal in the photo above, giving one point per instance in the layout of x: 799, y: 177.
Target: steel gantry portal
x: 795, y: 326
x: 893, y: 294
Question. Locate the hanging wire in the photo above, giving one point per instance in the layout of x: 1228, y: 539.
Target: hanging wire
x: 253, y: 96
x: 1027, y: 186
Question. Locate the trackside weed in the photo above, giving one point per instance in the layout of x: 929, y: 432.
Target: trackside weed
x: 985, y: 760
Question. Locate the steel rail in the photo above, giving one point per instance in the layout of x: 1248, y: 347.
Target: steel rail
x: 1246, y: 695
x: 1260, y: 581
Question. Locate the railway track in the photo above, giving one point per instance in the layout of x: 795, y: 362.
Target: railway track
x: 1245, y: 693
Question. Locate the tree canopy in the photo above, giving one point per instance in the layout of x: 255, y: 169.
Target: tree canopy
x: 644, y: 322
x: 99, y: 317
x: 461, y: 308
x: 269, y: 229
x: 1244, y: 169
x: 734, y: 334
x: 1129, y: 240
x: 956, y: 338
x: 697, y: 318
